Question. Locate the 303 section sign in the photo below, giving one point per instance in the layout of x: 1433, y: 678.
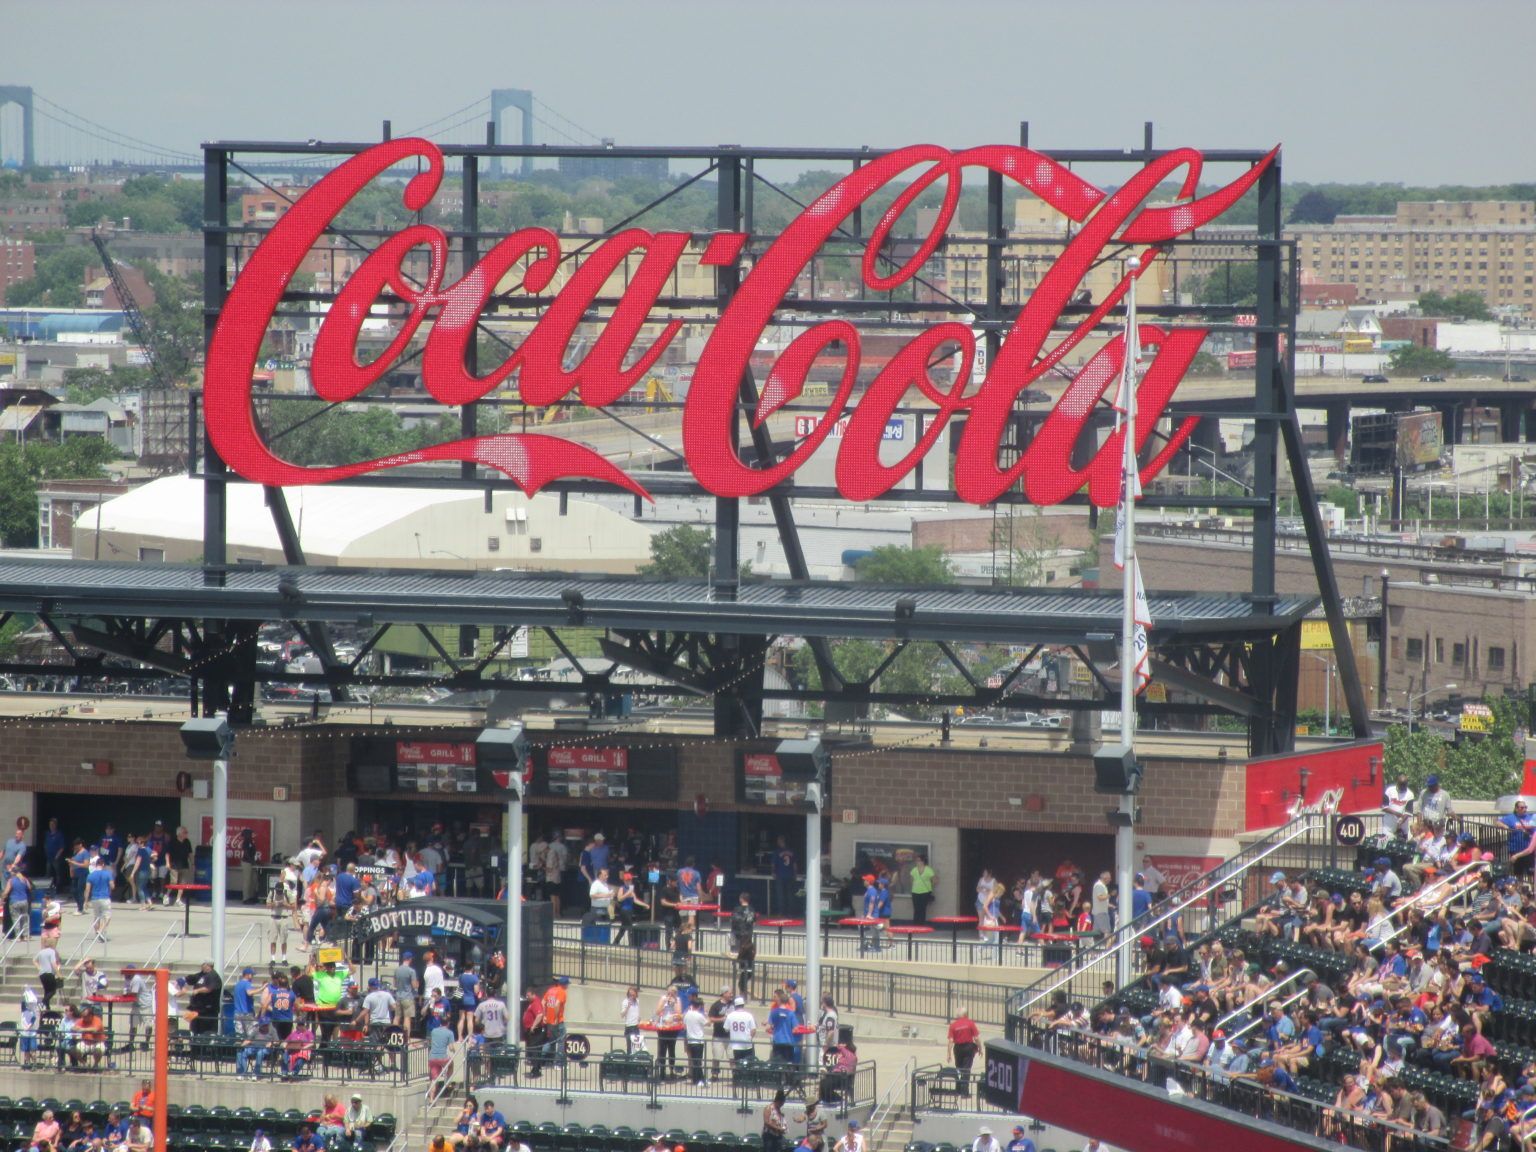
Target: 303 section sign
x: 1137, y: 217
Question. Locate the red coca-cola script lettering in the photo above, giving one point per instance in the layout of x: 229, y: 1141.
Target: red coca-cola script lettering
x: 616, y: 360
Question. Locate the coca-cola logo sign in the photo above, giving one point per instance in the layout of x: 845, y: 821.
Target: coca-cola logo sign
x: 616, y: 361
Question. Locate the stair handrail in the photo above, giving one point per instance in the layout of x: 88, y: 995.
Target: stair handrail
x: 1129, y: 935
x: 162, y: 949
x: 234, y: 962
x: 1257, y: 1020
x: 1446, y: 884
x: 888, y: 1103
x: 1264, y: 994
x: 82, y: 945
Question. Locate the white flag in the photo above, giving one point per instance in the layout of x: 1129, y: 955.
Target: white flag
x: 1139, y: 636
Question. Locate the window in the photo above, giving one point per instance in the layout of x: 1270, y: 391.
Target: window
x: 152, y: 555
x: 1415, y: 648
x: 1495, y: 659
x: 1458, y: 654
x: 1439, y: 650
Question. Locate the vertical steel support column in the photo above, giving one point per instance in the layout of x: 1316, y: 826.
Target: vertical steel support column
x: 996, y: 237
x: 813, y: 920
x: 725, y: 577
x: 215, y: 263
x: 514, y: 874
x: 468, y: 414
x: 1269, y: 383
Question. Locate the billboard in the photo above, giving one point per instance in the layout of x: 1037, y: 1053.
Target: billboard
x: 1419, y: 440
x: 260, y: 828
x: 439, y: 315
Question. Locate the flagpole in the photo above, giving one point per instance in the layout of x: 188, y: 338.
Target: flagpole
x: 1125, y: 830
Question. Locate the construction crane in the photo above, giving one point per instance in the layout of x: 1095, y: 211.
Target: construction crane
x: 163, y: 445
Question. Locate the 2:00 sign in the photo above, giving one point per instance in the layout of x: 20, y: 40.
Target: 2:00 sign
x: 1004, y: 1079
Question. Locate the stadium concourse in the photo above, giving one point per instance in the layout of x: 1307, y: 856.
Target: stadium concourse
x: 221, y: 1088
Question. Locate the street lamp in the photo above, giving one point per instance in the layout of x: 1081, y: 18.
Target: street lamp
x: 211, y: 738
x: 1422, y: 695
x: 1327, y: 689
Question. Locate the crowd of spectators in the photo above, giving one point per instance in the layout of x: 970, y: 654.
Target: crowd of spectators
x: 1380, y: 1005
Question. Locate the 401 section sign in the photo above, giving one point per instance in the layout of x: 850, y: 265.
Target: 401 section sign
x: 554, y: 362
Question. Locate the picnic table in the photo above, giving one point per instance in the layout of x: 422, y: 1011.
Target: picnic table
x: 863, y: 923
x: 781, y: 924
x: 186, y: 927
x: 1002, y: 931
x: 911, y: 932
x: 954, y: 924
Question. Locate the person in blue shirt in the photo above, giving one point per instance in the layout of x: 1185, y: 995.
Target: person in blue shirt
x: 18, y: 901
x: 423, y: 882
x: 306, y: 1141
x: 243, y: 1001
x: 797, y: 1005
x: 53, y: 852
x: 115, y: 1129
x: 347, y: 887
x: 493, y: 1125
x: 783, y: 879
x: 781, y: 1024
x: 1020, y: 1142
x: 1141, y: 899
x: 79, y: 864
x: 98, y: 886
x: 1522, y: 838
x: 688, y: 880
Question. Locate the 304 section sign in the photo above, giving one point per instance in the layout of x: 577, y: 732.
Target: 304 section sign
x: 556, y: 360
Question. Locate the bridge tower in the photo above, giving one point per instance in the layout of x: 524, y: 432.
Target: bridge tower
x: 21, y: 95
x: 522, y: 100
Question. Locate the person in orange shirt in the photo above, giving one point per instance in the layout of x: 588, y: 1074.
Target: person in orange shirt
x: 93, y: 1034
x: 144, y: 1101
x: 554, y: 1019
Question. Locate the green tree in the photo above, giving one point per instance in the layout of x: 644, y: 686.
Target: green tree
x: 1206, y: 364
x: 1026, y: 541
x: 893, y: 564
x: 1314, y: 207
x: 1479, y: 768
x: 679, y: 553
x: 310, y: 433
x: 58, y: 281
x: 22, y: 466
x: 1413, y: 360
x: 1235, y: 285
x: 1458, y: 305
x: 83, y: 385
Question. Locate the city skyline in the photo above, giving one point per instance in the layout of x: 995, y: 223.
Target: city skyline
x: 1347, y: 105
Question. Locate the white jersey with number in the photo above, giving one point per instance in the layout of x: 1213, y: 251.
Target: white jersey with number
x: 740, y: 1026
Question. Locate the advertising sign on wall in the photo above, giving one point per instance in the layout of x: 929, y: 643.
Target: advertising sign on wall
x: 260, y: 828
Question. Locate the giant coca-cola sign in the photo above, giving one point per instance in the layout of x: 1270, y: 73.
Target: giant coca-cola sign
x: 614, y: 362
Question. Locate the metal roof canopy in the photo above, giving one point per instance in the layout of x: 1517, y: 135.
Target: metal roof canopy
x: 768, y: 609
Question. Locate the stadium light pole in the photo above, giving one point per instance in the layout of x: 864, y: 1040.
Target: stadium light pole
x: 815, y: 797
x: 1125, y: 825
x: 504, y: 752
x: 211, y: 738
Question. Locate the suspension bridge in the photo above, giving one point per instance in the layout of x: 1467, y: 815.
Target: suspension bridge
x: 36, y: 132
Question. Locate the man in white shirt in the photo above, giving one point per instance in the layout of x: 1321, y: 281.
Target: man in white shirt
x: 601, y: 893
x: 1397, y: 805
x: 1101, y: 922
x: 1155, y: 879
x: 985, y: 1141
x: 740, y: 1028
x: 629, y: 1015
x: 1435, y: 805
x: 433, y: 978
x: 695, y: 1033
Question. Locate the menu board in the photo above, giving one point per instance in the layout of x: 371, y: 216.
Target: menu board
x: 595, y: 773
x: 762, y: 780
x: 424, y: 766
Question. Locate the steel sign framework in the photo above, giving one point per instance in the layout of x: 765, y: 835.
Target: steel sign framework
x: 996, y: 349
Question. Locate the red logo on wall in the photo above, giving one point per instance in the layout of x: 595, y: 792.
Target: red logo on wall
x: 260, y: 828
x: 1107, y: 225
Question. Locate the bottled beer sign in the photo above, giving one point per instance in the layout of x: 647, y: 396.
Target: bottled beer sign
x: 629, y: 347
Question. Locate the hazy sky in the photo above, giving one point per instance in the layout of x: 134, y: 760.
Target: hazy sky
x: 1416, y: 91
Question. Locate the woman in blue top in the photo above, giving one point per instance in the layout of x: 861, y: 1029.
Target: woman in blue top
x: 469, y: 996
x: 628, y: 900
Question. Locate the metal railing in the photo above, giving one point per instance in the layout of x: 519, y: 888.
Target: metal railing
x: 213, y: 1057
x: 645, y: 1078
x: 1285, y: 1002
x: 853, y: 989
x: 252, y: 938
x: 1207, y: 901
x: 1263, y: 995
x: 1444, y: 891
x: 172, y: 935
x: 1247, y: 1097
x: 888, y: 1106
x: 936, y: 1088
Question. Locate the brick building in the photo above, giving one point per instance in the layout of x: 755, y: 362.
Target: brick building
x: 968, y: 808
x: 18, y: 262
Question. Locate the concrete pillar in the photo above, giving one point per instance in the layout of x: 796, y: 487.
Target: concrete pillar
x: 1338, y: 429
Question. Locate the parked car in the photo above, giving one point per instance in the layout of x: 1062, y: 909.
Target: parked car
x: 1431, y: 379
x: 1374, y: 378
x: 1516, y: 378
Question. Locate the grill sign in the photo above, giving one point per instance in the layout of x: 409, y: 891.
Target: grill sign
x: 525, y: 263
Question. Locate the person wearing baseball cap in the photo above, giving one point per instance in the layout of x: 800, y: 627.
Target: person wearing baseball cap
x: 1020, y: 1142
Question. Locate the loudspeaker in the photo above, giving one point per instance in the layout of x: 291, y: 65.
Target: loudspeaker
x: 207, y: 738
x: 538, y: 945
x: 1115, y: 770
x: 803, y: 759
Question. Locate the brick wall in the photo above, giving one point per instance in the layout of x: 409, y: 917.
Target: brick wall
x: 914, y: 787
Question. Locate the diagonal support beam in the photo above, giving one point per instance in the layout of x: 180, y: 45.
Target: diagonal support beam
x: 316, y: 632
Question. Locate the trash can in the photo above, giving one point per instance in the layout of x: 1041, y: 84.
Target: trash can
x: 202, y: 873
x: 35, y: 916
x: 594, y: 929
